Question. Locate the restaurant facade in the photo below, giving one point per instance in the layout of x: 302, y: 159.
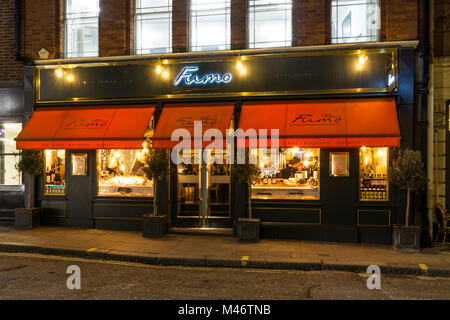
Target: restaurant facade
x: 340, y: 113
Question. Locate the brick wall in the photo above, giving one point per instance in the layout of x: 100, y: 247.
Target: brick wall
x: 40, y: 28
x: 402, y: 20
x: 10, y: 69
x: 309, y: 22
x: 112, y: 27
x: 180, y: 25
x: 239, y: 24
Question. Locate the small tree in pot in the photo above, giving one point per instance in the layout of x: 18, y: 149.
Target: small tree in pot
x: 157, y: 168
x: 248, y: 228
x: 31, y: 164
x: 407, y: 173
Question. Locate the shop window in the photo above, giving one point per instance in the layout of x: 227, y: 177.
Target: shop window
x: 291, y: 174
x: 153, y: 26
x: 270, y: 23
x: 121, y: 173
x: 55, y: 172
x: 81, y: 28
x: 355, y: 21
x: 210, y: 25
x: 9, y: 156
x: 373, y: 170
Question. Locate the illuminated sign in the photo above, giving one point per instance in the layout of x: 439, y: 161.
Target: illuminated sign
x: 189, y: 77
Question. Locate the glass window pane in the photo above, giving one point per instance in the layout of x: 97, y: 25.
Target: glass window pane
x: 354, y: 21
x: 270, y: 23
x: 291, y: 174
x: 210, y: 25
x: 374, y: 174
x: 82, y: 28
x: 153, y: 26
x: 55, y: 172
x: 9, y: 157
x: 120, y: 173
x: 9, y: 175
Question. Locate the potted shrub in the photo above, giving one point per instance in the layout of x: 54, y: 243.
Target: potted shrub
x: 247, y: 228
x: 31, y: 164
x: 406, y: 172
x: 157, y: 168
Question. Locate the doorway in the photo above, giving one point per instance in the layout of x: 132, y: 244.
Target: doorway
x: 203, y: 191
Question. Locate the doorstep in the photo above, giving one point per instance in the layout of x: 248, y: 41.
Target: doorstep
x: 203, y: 231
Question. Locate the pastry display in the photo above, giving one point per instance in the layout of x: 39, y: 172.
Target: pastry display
x: 293, y: 174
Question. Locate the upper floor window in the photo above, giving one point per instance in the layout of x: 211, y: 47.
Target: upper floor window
x: 82, y: 28
x: 270, y: 23
x: 210, y: 25
x: 355, y: 21
x: 153, y: 26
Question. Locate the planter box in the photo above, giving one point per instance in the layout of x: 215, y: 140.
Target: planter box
x: 154, y: 226
x: 27, y: 218
x: 248, y: 229
x: 406, y: 238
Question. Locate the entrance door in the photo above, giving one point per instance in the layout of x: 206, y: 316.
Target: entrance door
x: 79, y: 178
x: 203, y: 194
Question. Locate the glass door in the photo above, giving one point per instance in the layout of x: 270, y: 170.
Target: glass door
x: 203, y: 193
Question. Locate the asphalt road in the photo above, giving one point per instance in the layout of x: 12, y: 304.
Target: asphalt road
x: 31, y: 276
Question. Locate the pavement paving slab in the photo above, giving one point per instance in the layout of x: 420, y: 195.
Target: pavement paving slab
x: 222, y: 251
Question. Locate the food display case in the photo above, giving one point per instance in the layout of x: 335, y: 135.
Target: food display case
x: 120, y: 172
x: 292, y: 174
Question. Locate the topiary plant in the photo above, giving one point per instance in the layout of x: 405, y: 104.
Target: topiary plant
x: 407, y: 173
x: 246, y: 173
x: 156, y: 167
x: 31, y: 164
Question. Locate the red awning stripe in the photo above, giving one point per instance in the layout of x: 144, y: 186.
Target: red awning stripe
x: 326, y: 123
x: 86, y: 128
x: 216, y: 116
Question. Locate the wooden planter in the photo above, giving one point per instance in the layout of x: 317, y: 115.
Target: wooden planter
x: 27, y: 218
x: 154, y: 226
x: 248, y: 229
x: 406, y: 238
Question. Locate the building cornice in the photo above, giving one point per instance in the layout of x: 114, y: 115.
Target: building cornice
x: 216, y: 54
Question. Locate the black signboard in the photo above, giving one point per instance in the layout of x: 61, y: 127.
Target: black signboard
x: 256, y: 75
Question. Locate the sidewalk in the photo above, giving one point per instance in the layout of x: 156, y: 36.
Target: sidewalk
x: 221, y: 251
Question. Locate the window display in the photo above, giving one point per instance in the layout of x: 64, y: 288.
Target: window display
x: 292, y: 174
x: 9, y: 156
x: 121, y: 173
x: 373, y: 168
x: 55, y: 169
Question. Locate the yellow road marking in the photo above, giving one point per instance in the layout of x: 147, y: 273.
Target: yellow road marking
x: 423, y: 266
x: 244, y: 261
x: 91, y: 249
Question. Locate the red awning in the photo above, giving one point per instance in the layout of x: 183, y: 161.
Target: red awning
x: 86, y: 128
x: 182, y: 116
x: 326, y: 123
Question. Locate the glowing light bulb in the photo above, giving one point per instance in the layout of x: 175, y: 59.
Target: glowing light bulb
x: 59, y: 72
x: 261, y: 164
x: 306, y: 163
x: 122, y: 168
x: 158, y: 69
x: 70, y: 77
x: 362, y: 59
x: 166, y: 74
x: 117, y: 154
x: 380, y: 153
x: 239, y: 65
x: 165, y: 61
